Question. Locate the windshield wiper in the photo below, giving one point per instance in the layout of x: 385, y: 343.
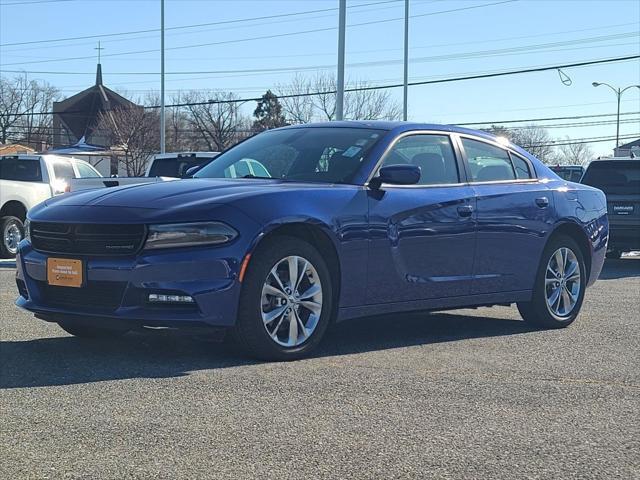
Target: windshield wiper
x: 250, y: 175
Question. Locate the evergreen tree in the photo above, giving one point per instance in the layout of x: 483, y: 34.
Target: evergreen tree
x: 268, y: 114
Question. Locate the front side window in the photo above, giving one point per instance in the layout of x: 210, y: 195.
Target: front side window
x: 487, y: 162
x: 20, y: 170
x: 320, y: 154
x: 432, y: 153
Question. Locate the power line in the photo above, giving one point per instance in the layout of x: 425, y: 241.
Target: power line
x: 266, y: 37
x: 436, y: 58
x: 383, y: 87
x: 195, y: 25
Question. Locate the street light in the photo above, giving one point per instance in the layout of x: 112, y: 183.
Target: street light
x: 618, y: 92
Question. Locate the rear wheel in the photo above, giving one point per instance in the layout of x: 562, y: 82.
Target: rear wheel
x: 89, y: 331
x: 286, y: 301
x: 12, y: 231
x: 560, y: 285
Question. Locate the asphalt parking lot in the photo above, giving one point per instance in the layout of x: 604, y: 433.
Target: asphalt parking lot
x: 462, y: 394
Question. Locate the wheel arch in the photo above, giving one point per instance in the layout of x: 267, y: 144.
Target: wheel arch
x: 576, y: 233
x: 14, y: 208
x: 313, y: 232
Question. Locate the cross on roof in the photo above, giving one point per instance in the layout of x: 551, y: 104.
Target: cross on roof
x: 98, y: 48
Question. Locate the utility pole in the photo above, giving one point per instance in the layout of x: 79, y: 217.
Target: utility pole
x: 341, y: 42
x: 162, y: 120
x: 406, y: 61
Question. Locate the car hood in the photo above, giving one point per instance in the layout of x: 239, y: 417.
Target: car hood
x: 168, y: 195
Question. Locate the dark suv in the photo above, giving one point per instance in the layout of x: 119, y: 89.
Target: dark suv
x: 619, y: 179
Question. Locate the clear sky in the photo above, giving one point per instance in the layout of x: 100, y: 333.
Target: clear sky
x: 495, y: 36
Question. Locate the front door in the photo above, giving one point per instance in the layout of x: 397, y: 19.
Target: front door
x: 422, y: 237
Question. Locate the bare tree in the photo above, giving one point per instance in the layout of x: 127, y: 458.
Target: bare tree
x: 135, y: 132
x: 215, y: 118
x: 24, y: 110
x: 297, y: 108
x: 575, y: 153
x: 534, y: 139
x: 318, y: 101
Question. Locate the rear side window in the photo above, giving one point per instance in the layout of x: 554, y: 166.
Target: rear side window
x: 621, y: 176
x: 487, y: 162
x: 86, y: 171
x: 20, y: 170
x: 432, y: 153
x: 63, y: 170
x: 521, y: 167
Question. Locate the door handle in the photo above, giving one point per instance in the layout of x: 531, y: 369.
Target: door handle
x: 465, y: 210
x: 542, y: 202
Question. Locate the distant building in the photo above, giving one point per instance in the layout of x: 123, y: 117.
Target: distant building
x: 626, y: 149
x: 14, y: 149
x: 75, y: 118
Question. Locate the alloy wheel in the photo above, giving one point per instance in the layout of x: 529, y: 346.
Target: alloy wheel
x: 12, y: 236
x: 291, y: 302
x: 562, y: 282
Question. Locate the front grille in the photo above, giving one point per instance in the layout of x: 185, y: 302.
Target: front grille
x: 95, y: 295
x: 87, y: 239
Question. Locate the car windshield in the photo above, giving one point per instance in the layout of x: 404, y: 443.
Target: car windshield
x: 331, y: 155
x: 618, y: 177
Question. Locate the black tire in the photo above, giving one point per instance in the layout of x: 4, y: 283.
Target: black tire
x: 249, y: 332
x: 537, y: 312
x: 7, y: 223
x: 613, y: 254
x: 89, y: 331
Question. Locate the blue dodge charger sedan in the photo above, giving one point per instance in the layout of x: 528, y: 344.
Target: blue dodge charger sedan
x: 333, y: 221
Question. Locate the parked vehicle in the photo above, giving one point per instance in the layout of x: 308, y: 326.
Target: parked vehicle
x: 25, y: 181
x: 571, y: 173
x: 358, y: 218
x: 162, y: 168
x: 178, y: 164
x: 619, y: 179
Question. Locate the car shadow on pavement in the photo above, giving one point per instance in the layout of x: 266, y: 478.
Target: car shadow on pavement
x: 68, y: 360
x: 626, y: 267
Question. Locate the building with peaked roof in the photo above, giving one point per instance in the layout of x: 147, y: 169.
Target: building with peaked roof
x: 14, y: 149
x: 75, y: 118
x: 626, y: 149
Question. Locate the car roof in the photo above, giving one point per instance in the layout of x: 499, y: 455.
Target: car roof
x: 396, y: 126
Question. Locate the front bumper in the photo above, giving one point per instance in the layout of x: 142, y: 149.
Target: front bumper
x: 116, y: 289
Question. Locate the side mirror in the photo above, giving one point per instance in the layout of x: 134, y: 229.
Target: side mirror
x: 191, y: 171
x: 397, y: 175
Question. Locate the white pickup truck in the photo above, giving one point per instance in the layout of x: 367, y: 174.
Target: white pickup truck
x: 25, y: 181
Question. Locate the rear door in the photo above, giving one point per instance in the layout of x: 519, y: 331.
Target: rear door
x: 514, y: 214
x: 422, y: 237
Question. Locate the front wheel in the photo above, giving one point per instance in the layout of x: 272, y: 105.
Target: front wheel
x: 286, y: 301
x: 12, y: 232
x: 560, y: 285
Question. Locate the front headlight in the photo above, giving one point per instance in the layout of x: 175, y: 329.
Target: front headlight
x: 189, y: 234
x: 27, y: 229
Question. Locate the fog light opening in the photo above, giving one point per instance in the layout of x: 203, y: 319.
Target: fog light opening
x: 161, y: 298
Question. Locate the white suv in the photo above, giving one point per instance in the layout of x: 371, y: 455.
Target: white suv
x: 25, y: 181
